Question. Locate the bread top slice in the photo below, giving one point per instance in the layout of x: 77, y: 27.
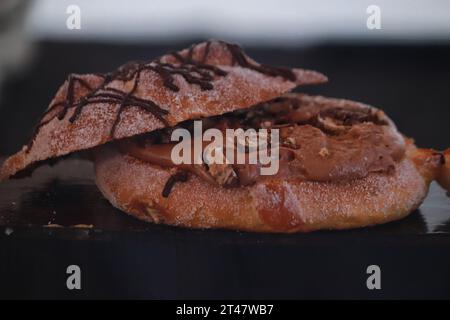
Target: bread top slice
x: 208, y: 79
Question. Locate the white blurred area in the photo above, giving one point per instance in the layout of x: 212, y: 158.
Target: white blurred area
x: 281, y: 22
x: 254, y: 22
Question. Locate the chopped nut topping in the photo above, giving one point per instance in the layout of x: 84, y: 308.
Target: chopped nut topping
x: 223, y: 174
x: 266, y: 124
x: 324, y: 152
x: 329, y: 124
x: 153, y: 214
x: 290, y: 143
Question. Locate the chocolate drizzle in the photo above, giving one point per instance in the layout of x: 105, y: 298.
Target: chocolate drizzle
x: 179, y: 176
x: 350, y: 117
x: 100, y: 94
x: 194, y: 72
x: 240, y: 58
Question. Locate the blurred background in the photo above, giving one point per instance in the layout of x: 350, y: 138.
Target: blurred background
x: 392, y: 54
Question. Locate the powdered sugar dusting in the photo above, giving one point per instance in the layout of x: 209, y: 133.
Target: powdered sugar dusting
x: 374, y: 199
x: 240, y: 88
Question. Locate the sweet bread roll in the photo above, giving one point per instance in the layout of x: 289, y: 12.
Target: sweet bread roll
x: 370, y: 191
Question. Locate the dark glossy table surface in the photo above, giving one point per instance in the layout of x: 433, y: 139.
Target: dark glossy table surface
x: 58, y: 217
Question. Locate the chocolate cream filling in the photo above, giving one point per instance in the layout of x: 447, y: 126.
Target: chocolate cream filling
x: 318, y: 142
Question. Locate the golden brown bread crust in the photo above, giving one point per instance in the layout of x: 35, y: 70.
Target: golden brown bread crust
x: 444, y: 172
x: 269, y: 206
x: 239, y: 89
